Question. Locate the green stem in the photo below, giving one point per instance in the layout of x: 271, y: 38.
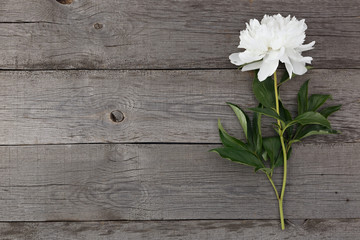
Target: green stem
x: 284, y: 182
x: 273, y: 185
x: 276, y: 97
x: 288, y: 146
x: 284, y: 156
x: 281, y: 215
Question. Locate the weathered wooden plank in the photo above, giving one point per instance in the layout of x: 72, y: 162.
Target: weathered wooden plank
x: 184, y: 230
x: 43, y: 107
x: 162, y: 34
x: 156, y: 182
x: 51, y: 11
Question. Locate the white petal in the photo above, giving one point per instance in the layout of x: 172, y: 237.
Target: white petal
x: 252, y: 66
x: 299, y: 67
x: 276, y: 54
x: 306, y: 47
x: 288, y: 65
x: 254, y: 23
x: 307, y: 60
x: 249, y: 57
x: 289, y: 69
x: 235, y: 59
x: 293, y: 55
x: 267, y: 69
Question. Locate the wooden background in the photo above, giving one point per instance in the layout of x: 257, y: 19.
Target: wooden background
x: 68, y: 171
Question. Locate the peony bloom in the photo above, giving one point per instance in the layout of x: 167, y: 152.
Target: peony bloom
x: 274, y: 39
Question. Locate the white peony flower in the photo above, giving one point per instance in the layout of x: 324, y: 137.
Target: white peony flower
x: 274, y: 39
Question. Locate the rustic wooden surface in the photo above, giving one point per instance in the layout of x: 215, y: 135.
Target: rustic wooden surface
x: 161, y: 34
x: 184, y: 230
x: 170, y: 181
x: 52, y: 107
x: 144, y: 172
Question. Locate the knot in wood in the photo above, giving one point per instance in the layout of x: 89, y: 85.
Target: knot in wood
x: 65, y: 1
x: 98, y: 26
x: 117, y: 116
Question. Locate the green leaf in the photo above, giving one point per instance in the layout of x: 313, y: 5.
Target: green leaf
x: 303, y: 98
x: 264, y: 91
x: 310, y: 118
x: 326, y: 112
x: 243, y: 118
x: 285, y: 114
x: 272, y: 146
x: 293, y: 141
x: 257, y: 138
x: 317, y: 100
x: 264, y: 156
x: 267, y: 171
x: 285, y: 77
x: 240, y: 156
x: 288, y: 154
x: 228, y: 140
x: 268, y: 112
x: 314, y: 130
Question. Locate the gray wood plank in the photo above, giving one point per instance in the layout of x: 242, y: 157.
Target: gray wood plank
x: 184, y: 230
x: 51, y: 107
x: 155, y: 182
x: 135, y: 34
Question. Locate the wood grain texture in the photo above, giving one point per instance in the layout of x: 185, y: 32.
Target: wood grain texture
x: 171, y: 181
x: 184, y: 230
x: 51, y: 107
x: 136, y: 34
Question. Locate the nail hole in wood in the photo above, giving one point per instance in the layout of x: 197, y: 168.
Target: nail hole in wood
x: 98, y: 26
x: 65, y: 1
x: 117, y: 116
